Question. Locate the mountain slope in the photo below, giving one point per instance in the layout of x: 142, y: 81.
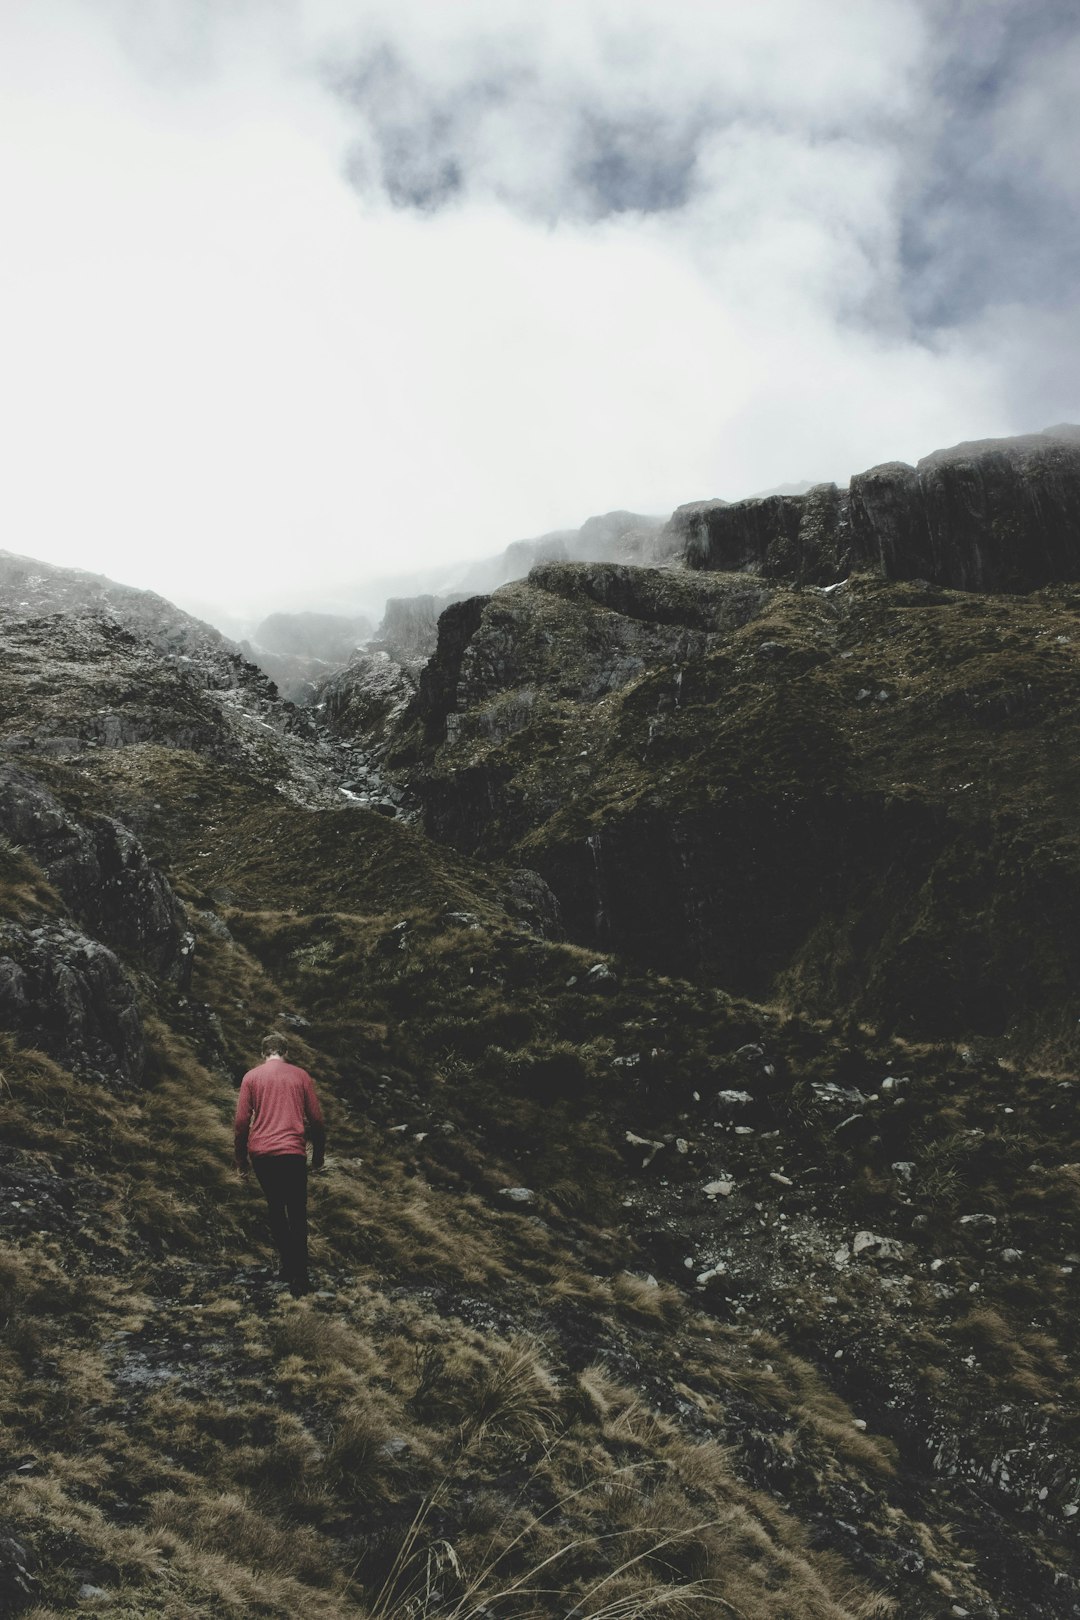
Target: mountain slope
x: 859, y: 797
x: 634, y: 1293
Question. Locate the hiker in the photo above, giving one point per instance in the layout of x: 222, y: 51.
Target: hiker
x: 276, y: 1109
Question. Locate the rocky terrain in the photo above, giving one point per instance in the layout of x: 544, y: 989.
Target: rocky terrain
x: 993, y: 515
x: 692, y: 997
x: 311, y: 656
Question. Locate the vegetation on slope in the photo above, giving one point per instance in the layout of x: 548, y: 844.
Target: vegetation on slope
x: 860, y: 798
x: 511, y: 1394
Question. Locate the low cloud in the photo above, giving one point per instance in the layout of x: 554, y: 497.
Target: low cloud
x: 305, y: 290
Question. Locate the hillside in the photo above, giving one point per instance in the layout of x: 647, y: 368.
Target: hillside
x: 700, y: 1225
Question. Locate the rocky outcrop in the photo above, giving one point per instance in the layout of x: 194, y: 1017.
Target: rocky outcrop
x: 780, y: 791
x: 573, y: 632
x: 366, y: 699
x: 78, y: 677
x: 103, y: 874
x: 35, y: 589
x: 995, y: 515
x: 657, y: 598
x: 362, y: 707
x: 409, y: 628
x: 68, y: 994
x: 442, y: 676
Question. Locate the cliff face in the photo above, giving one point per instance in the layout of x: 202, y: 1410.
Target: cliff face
x: 996, y: 515
x: 851, y: 796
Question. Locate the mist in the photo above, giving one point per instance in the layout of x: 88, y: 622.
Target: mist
x: 302, y: 295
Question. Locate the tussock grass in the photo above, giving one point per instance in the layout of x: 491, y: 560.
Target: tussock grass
x: 491, y: 1413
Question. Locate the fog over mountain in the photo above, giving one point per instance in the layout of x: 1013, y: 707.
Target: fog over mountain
x: 307, y: 293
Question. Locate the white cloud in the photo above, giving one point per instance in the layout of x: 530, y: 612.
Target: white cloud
x: 232, y: 376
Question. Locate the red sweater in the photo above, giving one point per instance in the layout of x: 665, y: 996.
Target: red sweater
x: 276, y: 1107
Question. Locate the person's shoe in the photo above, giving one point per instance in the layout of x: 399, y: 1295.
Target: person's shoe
x: 299, y: 1287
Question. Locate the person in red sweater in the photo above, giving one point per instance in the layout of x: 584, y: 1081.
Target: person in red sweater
x: 277, y: 1112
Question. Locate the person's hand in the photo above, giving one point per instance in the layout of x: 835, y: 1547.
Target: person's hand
x: 243, y: 1172
x: 318, y: 1166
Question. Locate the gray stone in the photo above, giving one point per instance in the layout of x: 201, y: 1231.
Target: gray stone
x: 996, y: 515
x: 103, y: 874
x: 69, y: 995
x: 882, y: 1248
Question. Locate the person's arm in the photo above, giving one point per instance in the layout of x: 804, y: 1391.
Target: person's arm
x: 316, y: 1125
x: 241, y: 1125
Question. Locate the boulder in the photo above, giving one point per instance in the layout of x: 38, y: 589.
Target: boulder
x: 103, y: 874
x: 68, y: 994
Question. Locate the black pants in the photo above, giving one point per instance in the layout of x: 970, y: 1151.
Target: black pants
x: 283, y: 1178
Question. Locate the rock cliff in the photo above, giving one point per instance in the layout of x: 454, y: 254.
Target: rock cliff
x: 994, y: 515
x: 783, y: 790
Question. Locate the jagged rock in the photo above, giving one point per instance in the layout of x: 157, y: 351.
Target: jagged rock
x: 102, y: 872
x: 365, y: 701
x: 409, y: 629
x: 883, y: 1248
x: 92, y: 665
x: 528, y: 897
x: 799, y: 537
x: 602, y: 628
x: 993, y: 515
x: 633, y: 1140
x: 17, y: 1585
x: 69, y: 995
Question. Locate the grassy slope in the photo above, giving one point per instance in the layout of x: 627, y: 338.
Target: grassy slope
x: 486, y: 1386
x: 859, y: 800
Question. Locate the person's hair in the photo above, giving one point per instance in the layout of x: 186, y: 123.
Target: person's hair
x: 274, y: 1043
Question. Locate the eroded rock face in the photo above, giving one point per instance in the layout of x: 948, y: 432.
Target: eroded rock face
x: 572, y: 632
x: 366, y: 698
x: 770, y: 788
x: 994, y: 515
x: 94, y: 666
x: 103, y: 874
x: 34, y: 589
x: 68, y: 994
x: 410, y: 627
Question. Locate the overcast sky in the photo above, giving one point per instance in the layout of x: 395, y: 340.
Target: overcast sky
x: 295, y: 292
